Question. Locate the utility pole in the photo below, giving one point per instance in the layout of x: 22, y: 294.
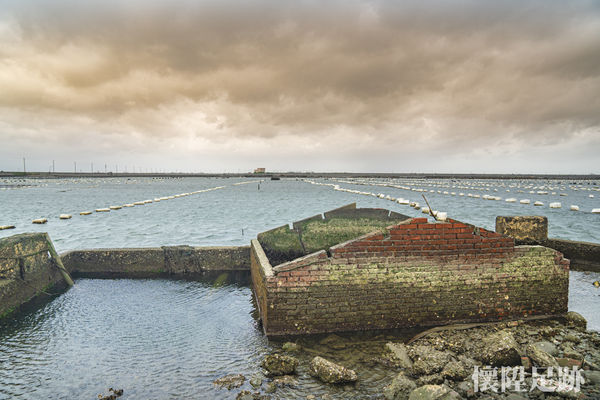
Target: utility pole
x: 105, y: 168
x: 92, y: 168
x: 24, y: 169
x: 75, y: 166
x: 53, y: 166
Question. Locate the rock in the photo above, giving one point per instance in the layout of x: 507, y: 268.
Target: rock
x: 398, y: 355
x: 569, y: 352
x: 290, y: 347
x: 230, y: 381
x: 576, y: 319
x: 466, y: 389
x: 427, y: 360
x: 592, y: 377
x: 330, y: 372
x: 435, y: 379
x: 278, y: 364
x: 400, y: 387
x: 569, y: 362
x: 247, y: 395
x: 514, y: 396
x: 547, y: 347
x: 540, y: 358
x: 526, y: 363
x: 455, y: 370
x: 500, y: 349
x: 572, y: 338
x: 256, y: 380
x: 271, y: 387
x: 334, y: 341
x: 433, y: 392
x: 285, y: 380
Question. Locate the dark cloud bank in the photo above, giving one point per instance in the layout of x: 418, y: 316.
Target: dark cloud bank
x: 467, y: 86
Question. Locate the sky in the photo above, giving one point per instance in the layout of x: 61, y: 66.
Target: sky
x: 358, y: 86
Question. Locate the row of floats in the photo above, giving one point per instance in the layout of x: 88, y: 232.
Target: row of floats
x: 461, y: 194
x: 114, y: 208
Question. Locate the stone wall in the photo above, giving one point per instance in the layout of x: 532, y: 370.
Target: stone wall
x: 26, y: 269
x: 414, y: 274
x: 157, y: 261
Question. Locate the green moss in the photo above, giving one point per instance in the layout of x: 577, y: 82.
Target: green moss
x: 7, y: 312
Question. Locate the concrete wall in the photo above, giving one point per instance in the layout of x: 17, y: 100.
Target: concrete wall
x: 157, y: 261
x: 26, y: 270
x: 584, y: 256
x: 415, y: 274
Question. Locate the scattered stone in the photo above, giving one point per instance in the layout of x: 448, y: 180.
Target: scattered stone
x: 278, y: 364
x: 455, y: 370
x: 433, y: 392
x: 290, y: 347
x: 526, y: 363
x: 398, y: 355
x: 271, y: 387
x: 466, y: 389
x: 514, y: 396
x: 334, y: 342
x: 569, y: 352
x: 116, y: 393
x: 285, y: 380
x: 400, y: 387
x: 434, y: 379
x: 330, y: 372
x: 572, y: 338
x: 427, y: 360
x: 247, y: 395
x: 547, y: 347
x: 256, y: 380
x: 540, y: 358
x: 576, y: 319
x: 592, y: 377
x: 569, y: 362
x: 500, y: 349
x: 230, y: 381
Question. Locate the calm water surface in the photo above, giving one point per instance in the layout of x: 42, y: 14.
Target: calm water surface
x: 169, y: 338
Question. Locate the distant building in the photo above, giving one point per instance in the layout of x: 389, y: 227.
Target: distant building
x: 259, y: 170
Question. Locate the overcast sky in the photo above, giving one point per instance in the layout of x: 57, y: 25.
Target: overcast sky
x: 390, y: 86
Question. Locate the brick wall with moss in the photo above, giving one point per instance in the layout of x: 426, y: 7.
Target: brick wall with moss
x: 414, y: 274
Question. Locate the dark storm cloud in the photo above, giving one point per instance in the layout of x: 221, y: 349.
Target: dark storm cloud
x: 452, y: 75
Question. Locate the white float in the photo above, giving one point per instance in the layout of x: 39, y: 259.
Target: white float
x: 85, y: 213
x: 115, y: 207
x: 555, y: 205
x: 441, y: 216
x: 511, y: 200
x: 40, y: 221
x: 525, y: 201
x: 596, y: 211
x: 64, y: 216
x: 538, y: 203
x: 3, y: 227
x: 102, y: 210
x: 574, y: 208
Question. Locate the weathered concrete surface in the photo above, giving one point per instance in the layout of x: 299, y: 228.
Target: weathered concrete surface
x: 26, y: 270
x: 584, y: 256
x: 157, y: 261
x: 414, y: 273
x: 525, y: 229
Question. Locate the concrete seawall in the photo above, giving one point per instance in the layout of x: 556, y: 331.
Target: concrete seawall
x: 157, y: 261
x: 26, y: 270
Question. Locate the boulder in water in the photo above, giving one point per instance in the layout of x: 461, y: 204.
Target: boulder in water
x: 279, y: 364
x: 330, y: 372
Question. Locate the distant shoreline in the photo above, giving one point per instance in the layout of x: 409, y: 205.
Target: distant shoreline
x: 56, y: 175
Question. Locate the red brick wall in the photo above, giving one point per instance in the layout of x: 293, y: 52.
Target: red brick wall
x: 417, y: 274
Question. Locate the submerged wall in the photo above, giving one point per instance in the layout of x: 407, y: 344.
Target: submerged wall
x: 26, y: 269
x: 145, y: 262
x: 414, y: 274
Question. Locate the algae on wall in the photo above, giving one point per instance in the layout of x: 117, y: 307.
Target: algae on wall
x: 284, y: 244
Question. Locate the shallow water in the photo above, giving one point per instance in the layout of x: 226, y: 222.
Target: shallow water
x: 170, y: 339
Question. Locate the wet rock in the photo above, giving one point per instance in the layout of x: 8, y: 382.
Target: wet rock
x: 547, y: 347
x: 434, y: 379
x: 398, y: 355
x: 247, y: 395
x: 256, y: 380
x: 290, y: 347
x: 285, y: 380
x: 540, y: 358
x: 334, y: 342
x: 572, y: 338
x: 455, y: 370
x: 330, y: 372
x: 230, y: 381
x: 115, y: 393
x: 592, y: 377
x: 271, y: 387
x: 278, y: 364
x: 466, y: 389
x: 400, y: 387
x: 427, y: 360
x: 433, y: 392
x: 500, y: 349
x: 576, y: 319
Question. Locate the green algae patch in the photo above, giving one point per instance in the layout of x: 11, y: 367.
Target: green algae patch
x: 314, y: 234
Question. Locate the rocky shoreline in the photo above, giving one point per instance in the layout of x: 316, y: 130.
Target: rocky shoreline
x: 516, y: 360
